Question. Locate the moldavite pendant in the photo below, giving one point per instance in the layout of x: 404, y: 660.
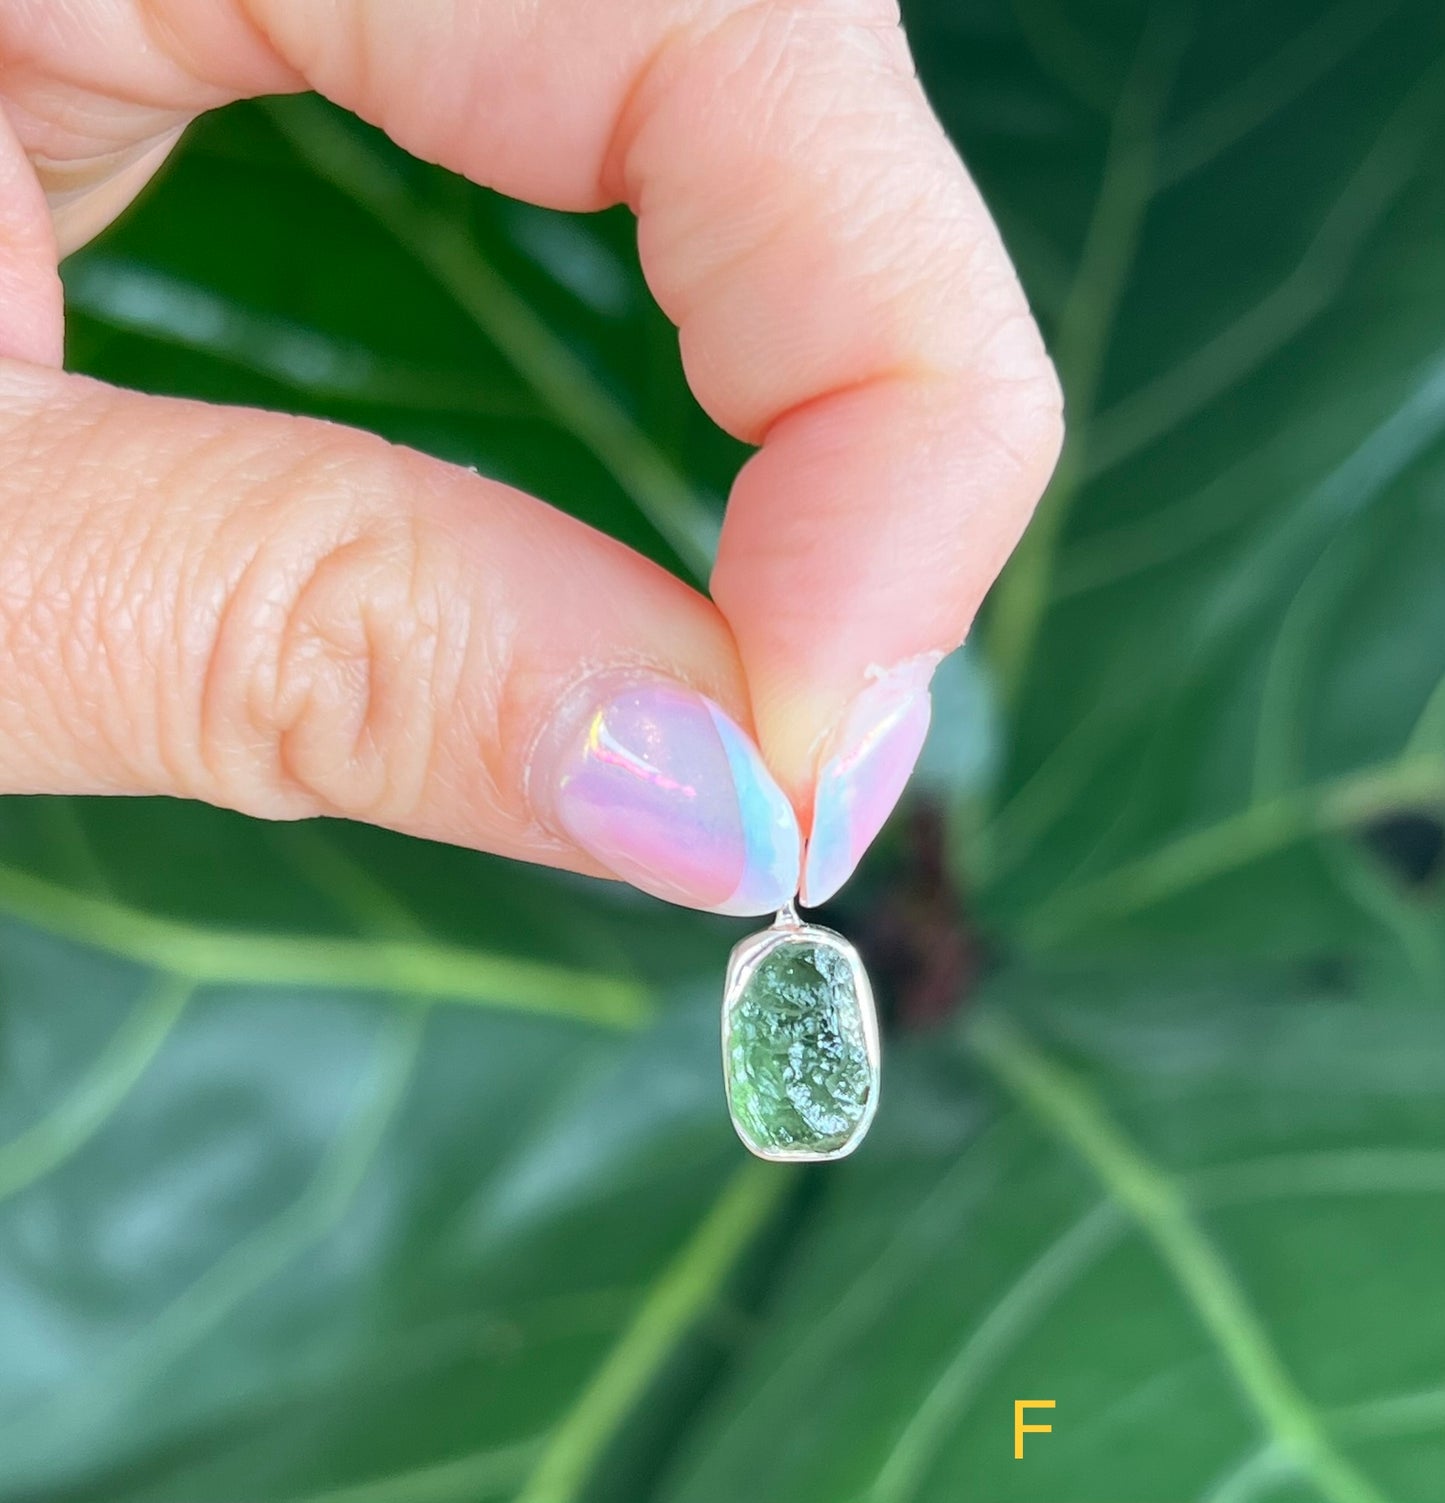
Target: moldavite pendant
x: 800, y: 1042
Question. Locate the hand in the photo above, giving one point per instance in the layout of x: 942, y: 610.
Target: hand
x: 291, y: 619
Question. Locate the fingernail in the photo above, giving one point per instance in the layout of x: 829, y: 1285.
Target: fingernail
x: 866, y: 764
x: 665, y: 790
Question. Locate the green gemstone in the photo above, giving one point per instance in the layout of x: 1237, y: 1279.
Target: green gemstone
x: 800, y: 1048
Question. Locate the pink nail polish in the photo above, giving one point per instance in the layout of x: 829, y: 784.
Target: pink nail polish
x: 866, y: 764
x: 659, y: 785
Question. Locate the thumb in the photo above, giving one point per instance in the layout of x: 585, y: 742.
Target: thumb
x: 844, y: 299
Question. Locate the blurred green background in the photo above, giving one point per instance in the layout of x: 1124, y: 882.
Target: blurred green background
x: 337, y: 1168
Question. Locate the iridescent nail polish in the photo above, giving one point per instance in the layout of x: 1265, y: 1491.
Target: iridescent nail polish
x: 866, y: 763
x: 661, y: 787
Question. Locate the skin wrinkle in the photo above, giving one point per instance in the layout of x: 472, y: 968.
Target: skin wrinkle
x: 766, y: 66
x: 79, y: 127
x: 154, y: 573
x: 316, y: 655
x: 237, y: 504
x: 448, y: 644
x: 509, y: 706
x: 468, y: 667
x: 344, y: 663
x: 80, y: 633
x: 383, y: 655
x: 616, y: 176
x: 31, y: 296
x: 17, y: 596
x: 86, y: 195
x: 214, y: 749
x: 137, y: 600
x: 285, y: 660
x: 613, y: 176
x: 272, y: 74
x: 67, y: 638
x: 1023, y: 413
x: 347, y: 59
x: 140, y: 612
x: 142, y: 582
x: 681, y: 302
x: 27, y: 605
x: 94, y: 142
x: 208, y: 564
x: 66, y: 121
x: 431, y: 136
x: 90, y: 598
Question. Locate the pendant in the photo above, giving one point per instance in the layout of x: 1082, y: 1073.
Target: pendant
x: 799, y: 1042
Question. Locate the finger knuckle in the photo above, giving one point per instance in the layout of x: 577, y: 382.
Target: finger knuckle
x: 332, y: 652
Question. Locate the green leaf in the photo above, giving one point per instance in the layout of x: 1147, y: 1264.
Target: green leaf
x: 1225, y: 627
x: 303, y: 1211
x: 1160, y: 1201
x: 340, y: 1168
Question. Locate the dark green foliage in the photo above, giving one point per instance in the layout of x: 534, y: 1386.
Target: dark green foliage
x: 333, y: 1166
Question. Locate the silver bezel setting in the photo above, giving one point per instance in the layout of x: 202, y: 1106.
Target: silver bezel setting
x: 748, y: 954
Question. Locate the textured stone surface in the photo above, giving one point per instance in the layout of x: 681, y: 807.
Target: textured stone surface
x: 798, y: 1070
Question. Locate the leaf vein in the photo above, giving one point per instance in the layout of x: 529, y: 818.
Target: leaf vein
x: 237, y: 958
x: 679, y: 1296
x: 1069, y: 1110
x: 1232, y: 842
x: 48, y: 1143
x: 578, y: 401
x: 956, y: 1386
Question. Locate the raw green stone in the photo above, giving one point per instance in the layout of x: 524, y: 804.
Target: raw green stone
x: 799, y: 1073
